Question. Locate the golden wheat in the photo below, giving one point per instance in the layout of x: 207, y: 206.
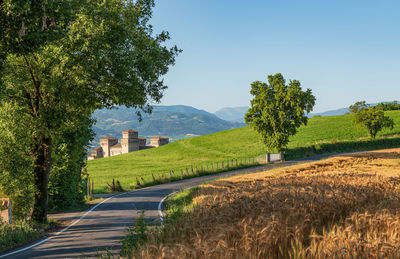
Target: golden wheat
x: 344, y: 207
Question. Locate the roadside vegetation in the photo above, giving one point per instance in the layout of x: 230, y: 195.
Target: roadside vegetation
x: 22, y: 232
x: 321, y: 135
x: 343, y: 207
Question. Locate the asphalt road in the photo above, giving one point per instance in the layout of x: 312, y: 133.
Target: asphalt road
x: 99, y: 230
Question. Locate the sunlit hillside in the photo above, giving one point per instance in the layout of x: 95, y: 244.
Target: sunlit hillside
x: 321, y: 135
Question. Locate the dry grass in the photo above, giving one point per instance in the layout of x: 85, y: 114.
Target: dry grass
x: 344, y: 207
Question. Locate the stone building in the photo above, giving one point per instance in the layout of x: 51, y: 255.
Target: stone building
x: 130, y: 142
x: 159, y: 141
x: 106, y: 144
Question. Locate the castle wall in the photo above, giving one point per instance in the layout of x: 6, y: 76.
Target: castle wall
x: 116, y: 150
x: 159, y: 141
x: 130, y: 134
x: 129, y: 145
x: 106, y: 144
x: 130, y: 142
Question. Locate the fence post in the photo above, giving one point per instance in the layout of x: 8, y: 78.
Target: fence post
x: 281, y: 155
x: 268, y: 158
x: 87, y: 188
x: 9, y: 212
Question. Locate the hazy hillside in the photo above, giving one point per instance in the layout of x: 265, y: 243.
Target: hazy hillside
x: 176, y: 122
x: 340, y: 111
x: 235, y: 114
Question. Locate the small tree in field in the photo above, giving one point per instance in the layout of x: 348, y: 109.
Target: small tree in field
x: 372, y: 118
x: 277, y: 109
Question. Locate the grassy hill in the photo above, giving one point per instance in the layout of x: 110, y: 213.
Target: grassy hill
x: 321, y: 135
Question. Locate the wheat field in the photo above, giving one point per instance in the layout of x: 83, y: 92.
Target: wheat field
x: 343, y: 207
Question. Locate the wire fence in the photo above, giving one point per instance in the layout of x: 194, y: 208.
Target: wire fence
x: 205, y: 169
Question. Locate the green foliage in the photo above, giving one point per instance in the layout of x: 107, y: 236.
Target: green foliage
x: 391, y: 106
x: 373, y: 118
x: 277, y: 109
x: 61, y: 60
x: 16, y: 234
x: 22, y: 232
x: 16, y: 181
x: 136, y: 236
x: 28, y: 25
x: 321, y: 135
x: 69, y: 158
x: 180, y: 203
x: 358, y: 106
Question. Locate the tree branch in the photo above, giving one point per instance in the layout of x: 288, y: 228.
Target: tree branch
x: 34, y: 104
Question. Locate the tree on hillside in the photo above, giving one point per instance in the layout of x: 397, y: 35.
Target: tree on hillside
x: 372, y: 118
x: 277, y: 109
x: 60, y: 60
x: 390, y: 106
x: 358, y: 106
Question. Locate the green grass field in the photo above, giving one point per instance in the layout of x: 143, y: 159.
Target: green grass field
x: 321, y: 135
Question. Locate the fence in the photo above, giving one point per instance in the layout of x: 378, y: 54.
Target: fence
x: 5, y: 210
x: 89, y: 188
x: 216, y: 167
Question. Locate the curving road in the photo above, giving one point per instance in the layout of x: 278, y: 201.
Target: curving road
x: 98, y: 231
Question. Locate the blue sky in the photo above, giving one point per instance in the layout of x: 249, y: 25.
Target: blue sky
x: 345, y: 51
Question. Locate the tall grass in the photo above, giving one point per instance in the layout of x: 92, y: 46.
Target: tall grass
x: 345, y: 207
x: 22, y: 232
x: 16, y: 234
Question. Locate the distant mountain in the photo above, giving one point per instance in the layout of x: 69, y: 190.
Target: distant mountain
x: 235, y: 114
x: 340, y: 111
x: 176, y: 122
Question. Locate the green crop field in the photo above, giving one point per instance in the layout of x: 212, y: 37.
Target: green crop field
x: 321, y: 135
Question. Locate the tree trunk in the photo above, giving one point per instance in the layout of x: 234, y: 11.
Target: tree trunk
x: 41, y: 171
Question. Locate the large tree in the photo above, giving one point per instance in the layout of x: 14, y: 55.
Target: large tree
x: 278, y: 109
x: 63, y: 59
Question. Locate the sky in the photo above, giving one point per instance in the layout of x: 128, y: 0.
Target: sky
x: 344, y: 51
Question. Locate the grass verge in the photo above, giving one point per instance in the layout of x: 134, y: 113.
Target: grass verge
x: 23, y: 232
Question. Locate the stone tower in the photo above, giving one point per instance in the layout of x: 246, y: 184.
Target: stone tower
x: 106, y: 144
x: 159, y: 141
x: 129, y: 141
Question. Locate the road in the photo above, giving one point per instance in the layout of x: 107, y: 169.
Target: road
x: 99, y: 230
